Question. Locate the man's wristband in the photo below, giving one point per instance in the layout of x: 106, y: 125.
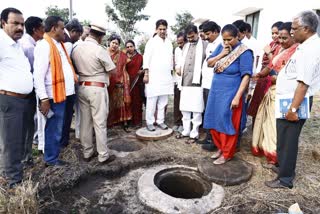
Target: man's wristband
x: 45, y: 99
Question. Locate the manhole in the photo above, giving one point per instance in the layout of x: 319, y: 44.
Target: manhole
x: 233, y: 172
x: 124, y: 145
x: 158, y: 134
x: 180, y: 183
x: 178, y: 189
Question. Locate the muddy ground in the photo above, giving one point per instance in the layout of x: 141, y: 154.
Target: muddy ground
x: 85, y: 187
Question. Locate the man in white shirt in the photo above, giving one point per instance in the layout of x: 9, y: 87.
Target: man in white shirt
x: 54, y: 80
x: 177, y: 116
x: 300, y: 76
x: 15, y: 86
x: 158, y: 64
x: 34, y: 32
x: 212, y: 35
x: 72, y: 32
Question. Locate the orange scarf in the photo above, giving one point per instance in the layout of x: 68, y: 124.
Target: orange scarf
x: 58, y: 84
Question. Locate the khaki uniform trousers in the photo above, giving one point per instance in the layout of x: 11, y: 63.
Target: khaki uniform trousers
x: 94, y: 109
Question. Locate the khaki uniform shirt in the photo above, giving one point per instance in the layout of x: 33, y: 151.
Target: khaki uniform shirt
x: 92, y: 61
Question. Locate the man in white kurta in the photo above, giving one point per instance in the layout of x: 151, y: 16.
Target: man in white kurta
x: 157, y: 64
x: 191, y: 100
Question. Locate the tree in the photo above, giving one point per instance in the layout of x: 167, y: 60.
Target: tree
x: 85, y: 22
x: 55, y: 11
x: 125, y: 14
x: 183, y: 20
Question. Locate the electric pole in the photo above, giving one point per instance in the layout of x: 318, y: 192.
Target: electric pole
x: 71, y: 11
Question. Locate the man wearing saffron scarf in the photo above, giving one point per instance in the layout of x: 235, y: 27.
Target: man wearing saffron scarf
x: 54, y: 80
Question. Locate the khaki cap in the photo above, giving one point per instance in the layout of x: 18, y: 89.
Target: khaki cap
x: 98, y: 28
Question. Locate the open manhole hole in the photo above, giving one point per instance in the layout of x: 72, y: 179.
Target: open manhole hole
x: 180, y: 183
x: 178, y: 189
x: 125, y: 145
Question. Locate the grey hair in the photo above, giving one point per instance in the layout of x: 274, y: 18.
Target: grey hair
x: 308, y: 19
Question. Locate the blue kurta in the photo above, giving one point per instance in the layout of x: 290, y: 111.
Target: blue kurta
x: 225, y: 85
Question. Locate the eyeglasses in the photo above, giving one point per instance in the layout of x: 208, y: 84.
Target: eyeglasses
x: 296, y: 28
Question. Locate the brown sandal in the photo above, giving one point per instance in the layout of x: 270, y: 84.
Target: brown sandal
x: 191, y: 140
x: 180, y: 136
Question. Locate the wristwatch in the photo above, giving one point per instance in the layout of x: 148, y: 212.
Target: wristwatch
x: 294, y: 110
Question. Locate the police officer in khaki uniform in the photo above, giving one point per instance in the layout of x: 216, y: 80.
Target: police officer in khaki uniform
x: 94, y: 65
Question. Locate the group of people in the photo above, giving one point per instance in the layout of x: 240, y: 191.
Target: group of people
x: 290, y: 68
x: 56, y: 70
x: 53, y: 71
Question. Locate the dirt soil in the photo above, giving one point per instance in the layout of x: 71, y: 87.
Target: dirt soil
x: 85, y: 187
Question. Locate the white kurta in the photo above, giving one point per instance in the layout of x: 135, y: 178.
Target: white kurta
x: 191, y: 97
x: 158, y: 58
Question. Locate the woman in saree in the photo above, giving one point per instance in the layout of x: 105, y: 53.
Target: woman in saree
x: 134, y: 66
x: 264, y: 135
x: 262, y: 83
x: 119, y: 88
x: 232, y: 63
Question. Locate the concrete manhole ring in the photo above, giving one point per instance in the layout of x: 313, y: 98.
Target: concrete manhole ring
x: 158, y: 134
x: 125, y: 145
x: 178, y: 189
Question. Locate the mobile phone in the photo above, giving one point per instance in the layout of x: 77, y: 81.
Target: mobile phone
x: 50, y: 114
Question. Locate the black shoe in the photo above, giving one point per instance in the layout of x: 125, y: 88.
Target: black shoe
x: 109, y: 160
x: 59, y: 163
x: 276, y: 184
x: 14, y: 185
x: 95, y: 154
x: 203, y: 142
x: 208, y: 147
x: 28, y: 164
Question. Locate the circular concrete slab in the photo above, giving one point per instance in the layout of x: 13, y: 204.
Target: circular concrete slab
x: 158, y: 134
x: 233, y: 172
x: 151, y: 195
x: 125, y: 145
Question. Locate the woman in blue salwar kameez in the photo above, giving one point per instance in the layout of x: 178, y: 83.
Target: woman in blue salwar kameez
x: 232, y: 63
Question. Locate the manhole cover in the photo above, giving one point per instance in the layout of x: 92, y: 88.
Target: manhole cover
x: 178, y: 189
x: 233, y: 172
x: 158, y: 134
x: 125, y: 145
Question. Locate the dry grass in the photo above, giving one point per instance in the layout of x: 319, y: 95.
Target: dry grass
x: 21, y: 200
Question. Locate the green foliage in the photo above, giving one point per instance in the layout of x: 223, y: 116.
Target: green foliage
x: 183, y: 20
x: 85, y: 22
x: 55, y: 11
x: 125, y: 14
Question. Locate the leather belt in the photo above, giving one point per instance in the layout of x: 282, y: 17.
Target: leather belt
x: 97, y: 84
x: 13, y: 94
